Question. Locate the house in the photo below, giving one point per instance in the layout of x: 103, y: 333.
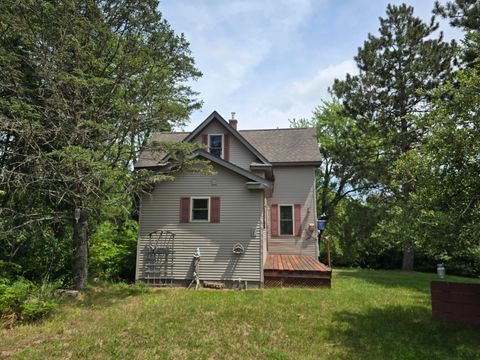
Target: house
x: 252, y: 222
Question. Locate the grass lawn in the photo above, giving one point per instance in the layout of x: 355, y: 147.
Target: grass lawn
x: 366, y: 315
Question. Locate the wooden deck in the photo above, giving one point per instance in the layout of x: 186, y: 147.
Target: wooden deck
x: 296, y: 270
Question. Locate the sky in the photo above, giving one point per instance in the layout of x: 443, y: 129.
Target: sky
x: 273, y: 60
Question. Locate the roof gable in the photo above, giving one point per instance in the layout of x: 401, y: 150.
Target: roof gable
x: 216, y: 116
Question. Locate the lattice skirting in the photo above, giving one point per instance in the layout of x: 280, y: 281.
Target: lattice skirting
x: 296, y: 282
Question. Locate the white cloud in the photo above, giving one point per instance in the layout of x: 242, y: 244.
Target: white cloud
x: 273, y: 60
x: 230, y: 39
x: 323, y: 79
x: 297, y: 99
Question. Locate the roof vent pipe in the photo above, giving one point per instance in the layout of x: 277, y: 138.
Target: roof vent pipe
x: 233, y: 122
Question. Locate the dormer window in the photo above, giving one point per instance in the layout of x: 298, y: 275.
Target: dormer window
x: 215, y: 145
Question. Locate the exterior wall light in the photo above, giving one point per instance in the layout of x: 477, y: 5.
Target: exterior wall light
x: 322, y: 222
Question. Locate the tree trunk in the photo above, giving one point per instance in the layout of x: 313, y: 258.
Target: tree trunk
x: 80, y: 238
x: 408, y: 256
x: 408, y: 247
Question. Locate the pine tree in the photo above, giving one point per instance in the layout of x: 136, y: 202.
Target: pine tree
x: 82, y: 84
x: 387, y: 98
x: 461, y: 13
x: 464, y: 14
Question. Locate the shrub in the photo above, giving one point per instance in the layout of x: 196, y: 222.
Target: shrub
x: 23, y: 301
x: 9, y: 269
x: 113, y: 251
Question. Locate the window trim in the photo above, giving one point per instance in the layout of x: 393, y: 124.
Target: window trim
x: 208, y: 208
x: 223, y: 144
x: 280, y: 220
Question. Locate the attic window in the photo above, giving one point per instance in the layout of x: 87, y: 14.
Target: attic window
x: 215, y: 145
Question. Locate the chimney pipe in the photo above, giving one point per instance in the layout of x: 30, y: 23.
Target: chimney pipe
x: 233, y: 122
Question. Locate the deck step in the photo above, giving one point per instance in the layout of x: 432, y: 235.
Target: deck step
x: 296, y: 270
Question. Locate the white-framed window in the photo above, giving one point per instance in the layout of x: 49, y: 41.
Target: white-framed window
x: 286, y: 219
x: 200, y: 209
x: 215, y: 145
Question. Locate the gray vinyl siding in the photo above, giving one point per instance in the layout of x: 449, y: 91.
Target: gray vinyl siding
x: 239, y: 154
x: 295, y: 185
x: 265, y: 231
x: 241, y: 212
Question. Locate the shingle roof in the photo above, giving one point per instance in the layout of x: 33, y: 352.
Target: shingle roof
x: 285, y: 145
x: 296, y: 145
x: 148, y: 158
x: 175, y: 136
x: 235, y: 168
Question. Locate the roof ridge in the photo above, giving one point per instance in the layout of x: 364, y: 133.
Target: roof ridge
x: 172, y: 132
x: 245, y: 130
x: 302, y: 128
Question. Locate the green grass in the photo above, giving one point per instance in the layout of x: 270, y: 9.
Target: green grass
x: 366, y: 315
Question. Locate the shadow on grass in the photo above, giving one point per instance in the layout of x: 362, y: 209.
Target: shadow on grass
x: 402, y: 333
x: 104, y: 296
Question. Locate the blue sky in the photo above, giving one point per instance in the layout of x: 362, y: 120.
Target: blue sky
x: 273, y: 60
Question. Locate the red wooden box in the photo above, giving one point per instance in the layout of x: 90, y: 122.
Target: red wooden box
x: 458, y: 302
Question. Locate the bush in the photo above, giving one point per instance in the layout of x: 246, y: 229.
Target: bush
x: 23, y: 301
x: 113, y: 251
x: 39, y: 251
x: 9, y: 269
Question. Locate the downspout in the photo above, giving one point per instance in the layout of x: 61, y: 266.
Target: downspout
x: 317, y: 245
x: 262, y: 239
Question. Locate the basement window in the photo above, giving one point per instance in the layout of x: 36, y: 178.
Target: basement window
x: 215, y: 145
x: 286, y: 219
x: 200, y: 209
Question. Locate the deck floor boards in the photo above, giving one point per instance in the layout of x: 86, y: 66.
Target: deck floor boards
x: 294, y: 263
x: 296, y: 270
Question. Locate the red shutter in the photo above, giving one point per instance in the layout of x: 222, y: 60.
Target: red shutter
x: 184, y: 209
x: 274, y: 219
x: 298, y: 221
x: 226, y: 147
x: 205, y: 139
x: 215, y: 209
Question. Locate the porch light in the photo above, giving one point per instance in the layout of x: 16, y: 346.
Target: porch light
x: 322, y: 222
